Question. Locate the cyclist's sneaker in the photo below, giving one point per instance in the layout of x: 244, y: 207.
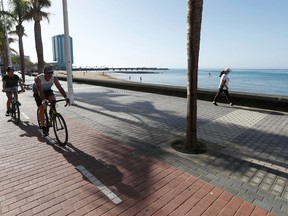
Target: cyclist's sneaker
x: 7, y: 113
x: 45, y: 131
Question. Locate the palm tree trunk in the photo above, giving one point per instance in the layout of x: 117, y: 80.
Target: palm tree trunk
x: 22, y: 59
x: 39, y: 46
x: 194, y: 19
x: 20, y: 32
x: 6, y: 57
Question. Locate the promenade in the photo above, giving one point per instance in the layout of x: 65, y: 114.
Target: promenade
x: 119, y: 161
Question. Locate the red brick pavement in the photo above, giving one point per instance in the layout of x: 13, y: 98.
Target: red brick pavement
x: 42, y: 179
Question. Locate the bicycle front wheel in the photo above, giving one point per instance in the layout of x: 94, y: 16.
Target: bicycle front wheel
x: 60, y: 129
x: 15, y: 112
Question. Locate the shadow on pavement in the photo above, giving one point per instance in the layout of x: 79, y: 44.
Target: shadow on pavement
x: 108, y: 174
x: 30, y: 130
x: 270, y: 112
x: 143, y: 108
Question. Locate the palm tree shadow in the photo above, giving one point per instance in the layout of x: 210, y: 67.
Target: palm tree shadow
x: 107, y: 174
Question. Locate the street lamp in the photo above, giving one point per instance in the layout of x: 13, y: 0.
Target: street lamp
x: 68, y: 52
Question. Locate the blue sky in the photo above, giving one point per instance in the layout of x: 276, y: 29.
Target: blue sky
x: 152, y: 33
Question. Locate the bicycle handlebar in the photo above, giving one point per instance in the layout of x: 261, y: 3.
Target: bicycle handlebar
x: 56, y: 101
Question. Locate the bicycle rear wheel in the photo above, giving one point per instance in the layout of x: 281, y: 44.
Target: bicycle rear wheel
x: 60, y: 129
x: 46, y: 122
x: 15, y: 113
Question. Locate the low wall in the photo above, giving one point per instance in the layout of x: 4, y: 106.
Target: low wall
x: 263, y: 101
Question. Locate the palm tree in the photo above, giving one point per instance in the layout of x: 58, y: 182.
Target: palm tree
x: 19, y: 10
x: 2, y: 45
x: 2, y: 40
x: 4, y: 37
x: 37, y: 15
x: 194, y: 19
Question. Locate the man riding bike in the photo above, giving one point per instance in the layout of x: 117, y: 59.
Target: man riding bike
x: 43, y: 93
x: 10, y: 86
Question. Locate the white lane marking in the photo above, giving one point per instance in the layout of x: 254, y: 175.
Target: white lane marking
x: 50, y: 140
x: 24, y: 115
x: 113, y: 197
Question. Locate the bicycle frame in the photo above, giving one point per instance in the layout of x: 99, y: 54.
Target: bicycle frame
x: 56, y: 120
x: 14, y: 108
x: 52, y: 114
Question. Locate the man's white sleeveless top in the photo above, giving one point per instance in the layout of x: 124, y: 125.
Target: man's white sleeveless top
x: 46, y: 85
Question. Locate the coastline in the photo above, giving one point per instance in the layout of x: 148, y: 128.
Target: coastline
x: 91, y: 75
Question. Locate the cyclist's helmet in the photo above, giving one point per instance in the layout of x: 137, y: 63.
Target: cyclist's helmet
x: 48, y: 69
x: 10, y: 68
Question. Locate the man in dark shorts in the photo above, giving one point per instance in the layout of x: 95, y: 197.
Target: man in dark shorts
x: 43, y: 93
x: 11, y: 82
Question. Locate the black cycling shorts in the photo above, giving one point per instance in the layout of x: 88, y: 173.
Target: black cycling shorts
x: 47, y: 94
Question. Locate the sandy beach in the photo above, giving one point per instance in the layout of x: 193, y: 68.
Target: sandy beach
x: 91, y: 75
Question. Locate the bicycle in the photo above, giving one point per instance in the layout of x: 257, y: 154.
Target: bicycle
x: 55, y: 120
x: 15, y: 108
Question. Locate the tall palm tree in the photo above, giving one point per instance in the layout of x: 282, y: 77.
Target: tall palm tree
x: 5, y: 37
x: 2, y: 40
x: 194, y: 19
x: 37, y: 15
x: 19, y: 10
x: 2, y: 44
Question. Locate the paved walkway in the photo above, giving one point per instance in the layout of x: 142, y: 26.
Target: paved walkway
x: 119, y: 160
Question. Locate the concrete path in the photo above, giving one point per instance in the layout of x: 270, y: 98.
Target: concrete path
x: 119, y: 159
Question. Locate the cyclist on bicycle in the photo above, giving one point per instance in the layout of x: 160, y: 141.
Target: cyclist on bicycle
x: 10, y: 86
x: 43, y: 93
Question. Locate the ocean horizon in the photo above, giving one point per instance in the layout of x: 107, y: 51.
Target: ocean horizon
x: 258, y: 81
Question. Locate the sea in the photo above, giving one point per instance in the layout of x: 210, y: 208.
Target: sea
x: 258, y: 81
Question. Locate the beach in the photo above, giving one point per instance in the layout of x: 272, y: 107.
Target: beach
x: 90, y: 75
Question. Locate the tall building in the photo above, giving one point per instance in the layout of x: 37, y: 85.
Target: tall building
x: 59, y: 56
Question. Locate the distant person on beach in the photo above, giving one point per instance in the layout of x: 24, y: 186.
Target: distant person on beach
x: 42, y: 92
x: 140, y: 79
x: 223, y: 86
